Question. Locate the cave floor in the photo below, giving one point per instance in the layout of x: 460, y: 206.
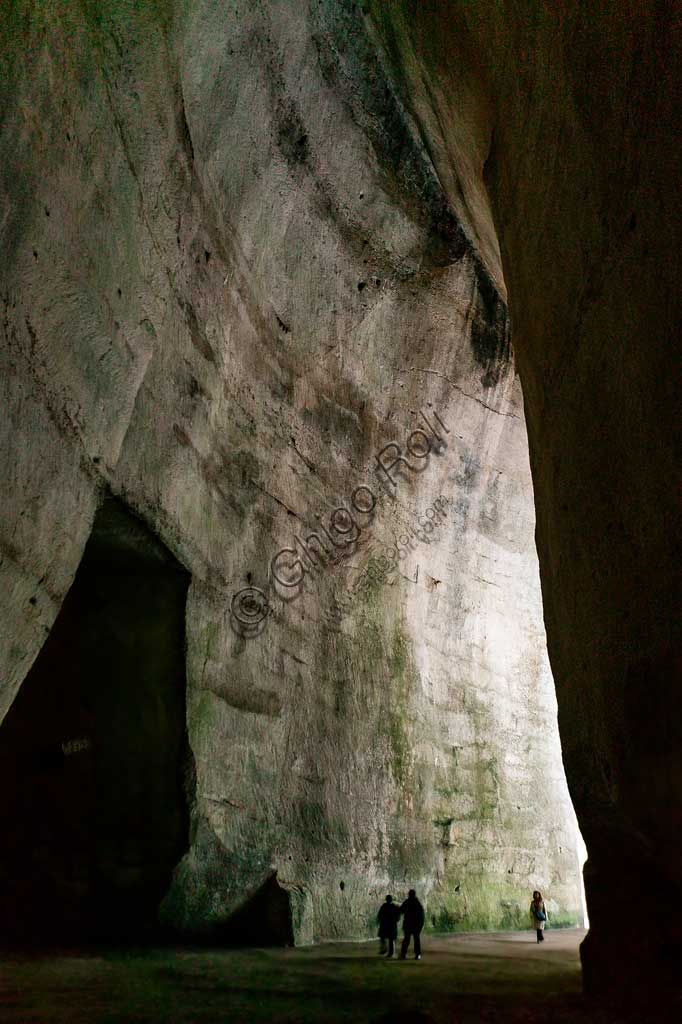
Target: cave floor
x: 473, y: 977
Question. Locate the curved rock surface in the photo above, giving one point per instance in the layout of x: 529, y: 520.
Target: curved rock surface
x: 251, y: 248
x: 565, y: 116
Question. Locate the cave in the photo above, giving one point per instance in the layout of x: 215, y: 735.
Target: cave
x: 96, y: 744
x: 339, y: 553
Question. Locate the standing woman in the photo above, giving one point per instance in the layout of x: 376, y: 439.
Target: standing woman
x: 538, y: 914
x: 388, y: 926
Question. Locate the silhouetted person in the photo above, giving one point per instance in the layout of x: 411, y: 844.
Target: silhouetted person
x: 413, y: 922
x: 388, y: 925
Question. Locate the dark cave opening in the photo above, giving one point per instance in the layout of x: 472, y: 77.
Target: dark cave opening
x: 96, y: 817
x: 264, y: 919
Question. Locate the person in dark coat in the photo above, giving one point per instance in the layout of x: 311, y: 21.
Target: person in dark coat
x: 388, y: 926
x: 413, y: 922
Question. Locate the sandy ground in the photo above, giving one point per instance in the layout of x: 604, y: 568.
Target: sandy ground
x: 462, y: 978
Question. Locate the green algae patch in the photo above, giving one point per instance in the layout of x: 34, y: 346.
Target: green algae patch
x: 393, y: 725
x: 486, y: 903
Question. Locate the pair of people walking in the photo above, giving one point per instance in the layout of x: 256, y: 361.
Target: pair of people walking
x: 412, y: 913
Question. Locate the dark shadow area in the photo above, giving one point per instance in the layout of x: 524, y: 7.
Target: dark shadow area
x: 265, y: 919
x: 339, y: 983
x: 94, y: 753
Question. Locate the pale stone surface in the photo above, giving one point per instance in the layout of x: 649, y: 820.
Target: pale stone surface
x: 561, y: 122
x: 235, y: 277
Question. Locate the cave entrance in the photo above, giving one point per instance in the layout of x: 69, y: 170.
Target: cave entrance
x: 94, y: 754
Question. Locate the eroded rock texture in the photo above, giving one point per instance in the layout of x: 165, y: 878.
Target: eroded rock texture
x: 564, y: 115
x: 243, y: 261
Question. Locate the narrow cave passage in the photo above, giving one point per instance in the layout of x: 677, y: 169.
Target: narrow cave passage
x: 96, y: 743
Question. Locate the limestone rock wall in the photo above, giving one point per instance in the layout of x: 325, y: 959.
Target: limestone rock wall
x: 234, y: 277
x: 559, y: 123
